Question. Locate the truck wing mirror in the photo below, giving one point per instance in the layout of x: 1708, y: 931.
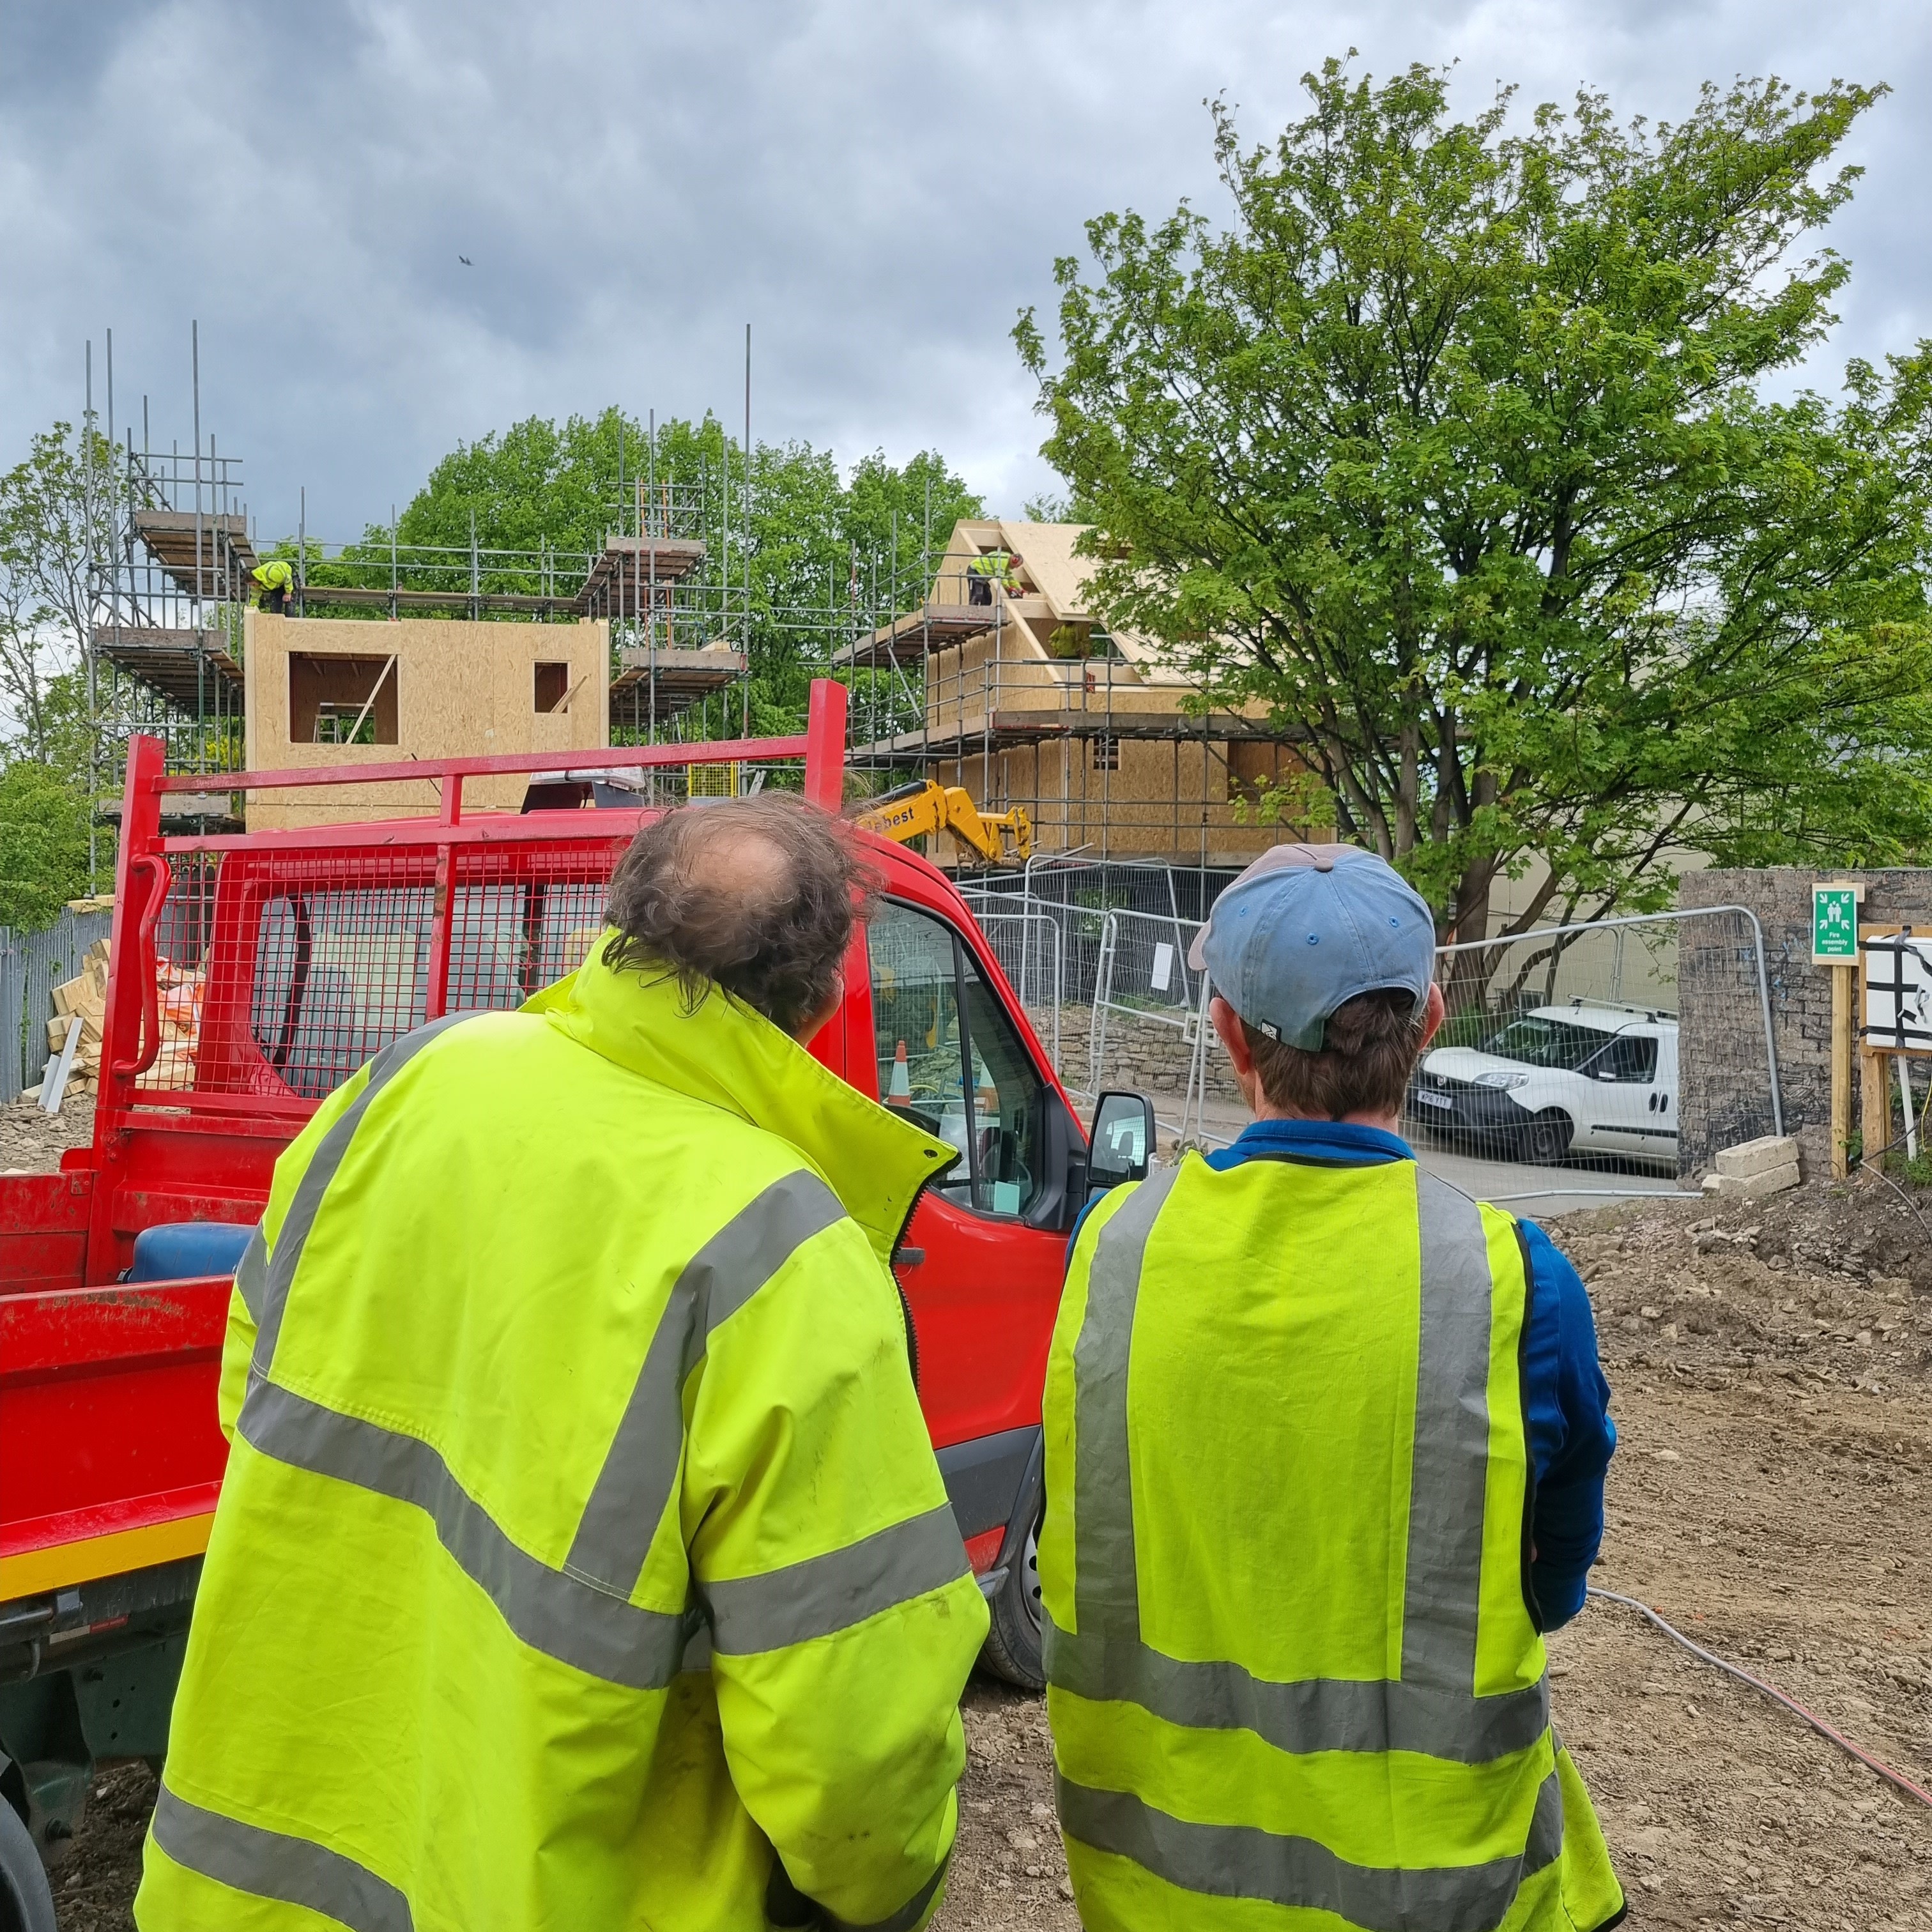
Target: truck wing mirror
x: 1122, y: 1141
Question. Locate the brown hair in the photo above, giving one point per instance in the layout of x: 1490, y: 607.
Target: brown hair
x: 758, y: 895
x: 1369, y: 1051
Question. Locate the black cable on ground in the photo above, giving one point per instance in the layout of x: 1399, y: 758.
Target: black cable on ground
x: 1771, y: 1691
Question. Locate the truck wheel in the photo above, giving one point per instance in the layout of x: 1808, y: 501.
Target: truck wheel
x: 1546, y: 1141
x: 1013, y: 1642
x: 26, y: 1905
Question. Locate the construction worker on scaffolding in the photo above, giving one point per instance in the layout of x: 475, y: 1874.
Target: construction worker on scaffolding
x: 989, y: 567
x: 276, y: 581
x: 1325, y: 1442
x: 582, y: 1559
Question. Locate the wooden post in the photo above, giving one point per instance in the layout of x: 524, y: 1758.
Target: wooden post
x: 1875, y: 1122
x: 1874, y: 1075
x: 1843, y: 987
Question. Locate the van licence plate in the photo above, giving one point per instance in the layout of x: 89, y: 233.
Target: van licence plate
x: 1430, y: 1099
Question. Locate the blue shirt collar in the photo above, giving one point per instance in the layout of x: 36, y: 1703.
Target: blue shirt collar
x: 1319, y: 1140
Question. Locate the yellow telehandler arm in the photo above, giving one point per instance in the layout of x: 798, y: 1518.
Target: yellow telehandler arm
x: 926, y: 806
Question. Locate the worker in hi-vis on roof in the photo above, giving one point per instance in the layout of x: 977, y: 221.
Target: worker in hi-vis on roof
x: 988, y: 568
x: 582, y: 1560
x: 1325, y: 1443
x: 275, y: 580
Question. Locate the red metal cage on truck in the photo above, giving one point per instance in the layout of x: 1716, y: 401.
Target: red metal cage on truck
x: 250, y: 974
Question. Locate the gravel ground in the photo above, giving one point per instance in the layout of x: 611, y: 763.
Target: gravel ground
x: 1771, y: 1369
x: 32, y: 1143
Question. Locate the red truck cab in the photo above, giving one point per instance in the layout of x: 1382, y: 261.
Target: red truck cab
x: 250, y: 974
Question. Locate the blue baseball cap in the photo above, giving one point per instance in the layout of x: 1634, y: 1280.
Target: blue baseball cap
x: 1306, y: 928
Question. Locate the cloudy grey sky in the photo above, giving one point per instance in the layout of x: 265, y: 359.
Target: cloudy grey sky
x: 877, y: 188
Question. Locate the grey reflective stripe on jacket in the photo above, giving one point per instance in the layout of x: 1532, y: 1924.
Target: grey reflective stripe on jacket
x: 576, y: 1622
x: 278, y: 1865
x: 1431, y: 1709
x: 293, y: 1237
x: 251, y: 1274
x: 579, y: 1613
x: 628, y: 1499
x: 820, y: 1595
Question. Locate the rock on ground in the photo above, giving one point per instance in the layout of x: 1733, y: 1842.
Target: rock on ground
x: 32, y: 1142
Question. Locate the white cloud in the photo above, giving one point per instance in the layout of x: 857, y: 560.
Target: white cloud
x: 877, y: 189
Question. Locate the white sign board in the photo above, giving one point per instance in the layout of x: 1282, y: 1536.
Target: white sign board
x: 1163, y: 967
x: 1898, y: 994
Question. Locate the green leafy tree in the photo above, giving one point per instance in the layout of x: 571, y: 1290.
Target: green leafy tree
x: 44, y: 851
x: 1459, y: 449
x: 814, y: 559
x: 47, y: 502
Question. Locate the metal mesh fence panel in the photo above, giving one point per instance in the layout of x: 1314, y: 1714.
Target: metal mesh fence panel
x: 1569, y: 1047
x: 32, y: 965
x: 1029, y: 942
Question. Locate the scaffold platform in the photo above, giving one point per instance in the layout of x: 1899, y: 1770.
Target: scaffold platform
x: 683, y: 678
x: 190, y: 669
x: 1004, y: 729
x: 217, y: 568
x: 907, y: 639
x: 620, y: 582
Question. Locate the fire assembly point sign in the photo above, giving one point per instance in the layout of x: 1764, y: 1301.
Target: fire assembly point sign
x: 1834, y: 925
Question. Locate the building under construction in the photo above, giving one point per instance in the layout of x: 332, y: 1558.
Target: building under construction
x: 1022, y: 696
x: 987, y: 669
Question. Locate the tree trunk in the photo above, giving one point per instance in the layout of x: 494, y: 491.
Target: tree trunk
x: 1465, y: 977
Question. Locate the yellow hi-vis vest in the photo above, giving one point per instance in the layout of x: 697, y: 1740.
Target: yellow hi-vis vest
x: 582, y: 1546
x: 275, y: 574
x: 1292, y: 1678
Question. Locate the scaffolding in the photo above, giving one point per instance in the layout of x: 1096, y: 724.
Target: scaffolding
x: 1024, y: 698
x: 975, y: 676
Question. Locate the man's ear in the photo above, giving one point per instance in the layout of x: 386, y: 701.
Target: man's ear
x: 1433, y: 1015
x: 1227, y: 1025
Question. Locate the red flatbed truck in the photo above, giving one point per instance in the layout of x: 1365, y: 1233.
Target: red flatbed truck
x: 250, y: 974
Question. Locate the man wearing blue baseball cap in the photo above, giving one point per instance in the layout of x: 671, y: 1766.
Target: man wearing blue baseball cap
x: 1325, y: 1442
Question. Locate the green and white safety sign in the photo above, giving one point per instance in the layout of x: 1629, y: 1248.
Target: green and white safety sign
x: 1834, y: 925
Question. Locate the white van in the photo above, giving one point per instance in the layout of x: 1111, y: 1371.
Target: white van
x: 1582, y: 1078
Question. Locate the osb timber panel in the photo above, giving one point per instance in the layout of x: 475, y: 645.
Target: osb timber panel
x: 463, y: 690
x: 1162, y: 801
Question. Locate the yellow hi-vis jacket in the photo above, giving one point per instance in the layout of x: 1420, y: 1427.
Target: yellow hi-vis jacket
x: 582, y: 1545
x: 275, y: 574
x: 1291, y: 1677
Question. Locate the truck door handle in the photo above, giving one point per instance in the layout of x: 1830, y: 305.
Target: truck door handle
x: 909, y: 1257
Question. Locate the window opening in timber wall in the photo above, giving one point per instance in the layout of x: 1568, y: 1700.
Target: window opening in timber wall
x: 553, y: 684
x: 342, y: 700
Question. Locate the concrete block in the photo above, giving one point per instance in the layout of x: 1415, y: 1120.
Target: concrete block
x: 1754, y: 1187
x: 1759, y: 1156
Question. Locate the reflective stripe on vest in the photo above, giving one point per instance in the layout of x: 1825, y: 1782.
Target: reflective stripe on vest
x: 1431, y: 1709
x: 1243, y: 1861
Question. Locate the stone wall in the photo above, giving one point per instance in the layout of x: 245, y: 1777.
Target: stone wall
x: 1138, y: 1055
x: 1721, y: 1036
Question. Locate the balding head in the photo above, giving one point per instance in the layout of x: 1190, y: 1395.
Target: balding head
x: 758, y: 895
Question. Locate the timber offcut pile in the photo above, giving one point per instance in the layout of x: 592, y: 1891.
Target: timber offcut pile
x: 84, y: 998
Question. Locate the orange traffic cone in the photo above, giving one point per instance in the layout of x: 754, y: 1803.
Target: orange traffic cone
x: 900, y: 1087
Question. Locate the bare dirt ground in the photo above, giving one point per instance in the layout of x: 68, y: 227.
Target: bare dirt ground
x: 1771, y: 1369
x: 31, y: 1143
